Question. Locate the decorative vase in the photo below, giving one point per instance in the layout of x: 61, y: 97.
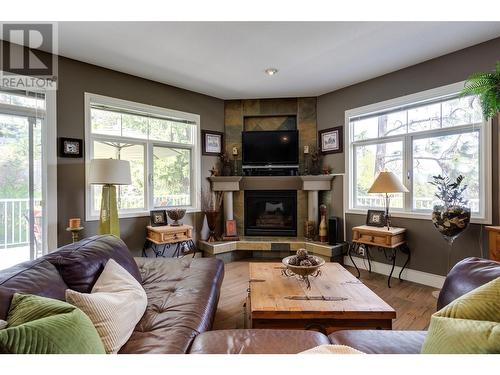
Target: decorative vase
x: 450, y: 221
x: 176, y: 214
x: 226, y: 170
x: 323, y: 231
x: 212, y: 223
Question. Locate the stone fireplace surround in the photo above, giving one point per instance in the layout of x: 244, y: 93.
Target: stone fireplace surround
x: 308, y: 186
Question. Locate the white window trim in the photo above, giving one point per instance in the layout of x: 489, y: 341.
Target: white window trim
x: 148, y: 164
x: 49, y: 163
x: 485, y: 156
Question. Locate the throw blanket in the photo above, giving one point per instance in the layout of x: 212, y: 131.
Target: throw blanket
x: 468, y: 325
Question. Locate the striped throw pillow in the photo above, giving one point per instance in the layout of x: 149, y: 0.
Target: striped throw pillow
x: 115, y: 305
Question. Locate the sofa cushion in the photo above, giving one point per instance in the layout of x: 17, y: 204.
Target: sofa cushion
x: 39, y: 325
x: 468, y: 325
x: 257, y: 341
x: 465, y: 276
x: 38, y: 277
x: 182, y: 300
x: 81, y: 263
x: 115, y: 305
x: 380, y: 341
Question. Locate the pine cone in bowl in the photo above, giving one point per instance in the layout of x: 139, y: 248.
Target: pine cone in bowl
x: 302, y: 254
x: 306, y: 263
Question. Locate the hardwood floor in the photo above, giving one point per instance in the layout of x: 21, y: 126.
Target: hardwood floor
x: 414, y: 303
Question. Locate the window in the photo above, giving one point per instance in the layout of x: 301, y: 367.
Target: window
x: 161, y: 146
x: 28, y: 175
x: 417, y: 137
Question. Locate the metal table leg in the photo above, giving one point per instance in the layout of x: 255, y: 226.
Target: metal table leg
x: 146, y: 245
x: 405, y: 250
x: 352, y: 247
x: 368, y: 257
x: 394, y: 251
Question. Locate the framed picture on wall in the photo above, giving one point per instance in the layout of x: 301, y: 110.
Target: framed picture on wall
x: 212, y: 142
x: 70, y: 147
x: 331, y: 140
x: 375, y: 218
x: 231, y: 230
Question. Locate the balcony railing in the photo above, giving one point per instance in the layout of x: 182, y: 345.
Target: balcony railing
x: 14, y: 222
x: 419, y: 203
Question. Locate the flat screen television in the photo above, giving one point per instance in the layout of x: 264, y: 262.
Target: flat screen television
x: 279, y: 147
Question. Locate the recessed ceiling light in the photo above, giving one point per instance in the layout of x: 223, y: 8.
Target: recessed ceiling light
x: 271, y: 71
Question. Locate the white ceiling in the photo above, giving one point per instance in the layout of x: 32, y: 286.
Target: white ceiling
x: 227, y: 59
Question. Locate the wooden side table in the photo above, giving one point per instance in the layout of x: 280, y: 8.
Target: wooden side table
x: 391, y: 240
x: 494, y: 242
x: 160, y: 239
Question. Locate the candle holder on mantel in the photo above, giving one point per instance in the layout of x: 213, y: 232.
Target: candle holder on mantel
x: 74, y: 233
x: 74, y: 226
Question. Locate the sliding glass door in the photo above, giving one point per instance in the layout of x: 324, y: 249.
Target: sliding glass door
x: 23, y: 226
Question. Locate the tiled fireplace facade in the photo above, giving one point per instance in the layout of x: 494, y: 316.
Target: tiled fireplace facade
x: 270, y: 114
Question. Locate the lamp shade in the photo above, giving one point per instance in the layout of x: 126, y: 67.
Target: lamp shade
x: 387, y: 182
x: 109, y: 171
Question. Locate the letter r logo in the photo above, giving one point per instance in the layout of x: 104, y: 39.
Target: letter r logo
x: 27, y: 52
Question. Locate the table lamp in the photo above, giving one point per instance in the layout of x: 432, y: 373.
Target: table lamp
x: 109, y: 173
x: 386, y: 183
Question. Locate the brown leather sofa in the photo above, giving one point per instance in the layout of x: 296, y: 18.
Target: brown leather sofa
x: 182, y: 293
x: 467, y: 275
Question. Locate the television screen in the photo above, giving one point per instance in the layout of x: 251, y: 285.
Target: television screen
x: 271, y: 147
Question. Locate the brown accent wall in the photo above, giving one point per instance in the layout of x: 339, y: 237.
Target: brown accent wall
x: 76, y: 78
x: 429, y: 250
x: 270, y: 114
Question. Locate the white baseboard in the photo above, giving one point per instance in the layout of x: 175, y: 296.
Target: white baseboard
x: 415, y: 276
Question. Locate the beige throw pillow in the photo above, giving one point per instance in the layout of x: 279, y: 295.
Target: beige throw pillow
x: 332, y: 349
x: 115, y: 305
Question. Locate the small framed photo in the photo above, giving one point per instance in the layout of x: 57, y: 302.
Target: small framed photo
x: 212, y: 142
x: 70, y: 147
x: 158, y: 218
x: 231, y: 230
x: 331, y: 140
x: 375, y: 218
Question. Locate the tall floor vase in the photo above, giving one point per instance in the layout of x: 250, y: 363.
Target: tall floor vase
x: 450, y: 222
x: 212, y: 216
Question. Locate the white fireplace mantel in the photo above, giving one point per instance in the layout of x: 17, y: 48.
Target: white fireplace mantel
x: 311, y: 184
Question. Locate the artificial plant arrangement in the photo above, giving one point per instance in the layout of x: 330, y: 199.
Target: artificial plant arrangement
x: 486, y: 85
x: 452, y: 215
x: 226, y: 164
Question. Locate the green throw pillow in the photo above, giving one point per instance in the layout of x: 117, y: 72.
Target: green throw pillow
x: 39, y: 325
x: 468, y: 325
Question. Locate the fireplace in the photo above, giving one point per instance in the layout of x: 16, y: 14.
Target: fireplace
x: 271, y: 213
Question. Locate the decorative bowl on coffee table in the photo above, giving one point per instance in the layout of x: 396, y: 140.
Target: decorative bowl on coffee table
x: 303, y: 272
x: 176, y: 214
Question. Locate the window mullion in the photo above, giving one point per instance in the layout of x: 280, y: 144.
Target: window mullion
x: 408, y: 173
x: 148, y: 183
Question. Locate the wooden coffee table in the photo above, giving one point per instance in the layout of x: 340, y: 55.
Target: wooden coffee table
x: 337, y: 300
